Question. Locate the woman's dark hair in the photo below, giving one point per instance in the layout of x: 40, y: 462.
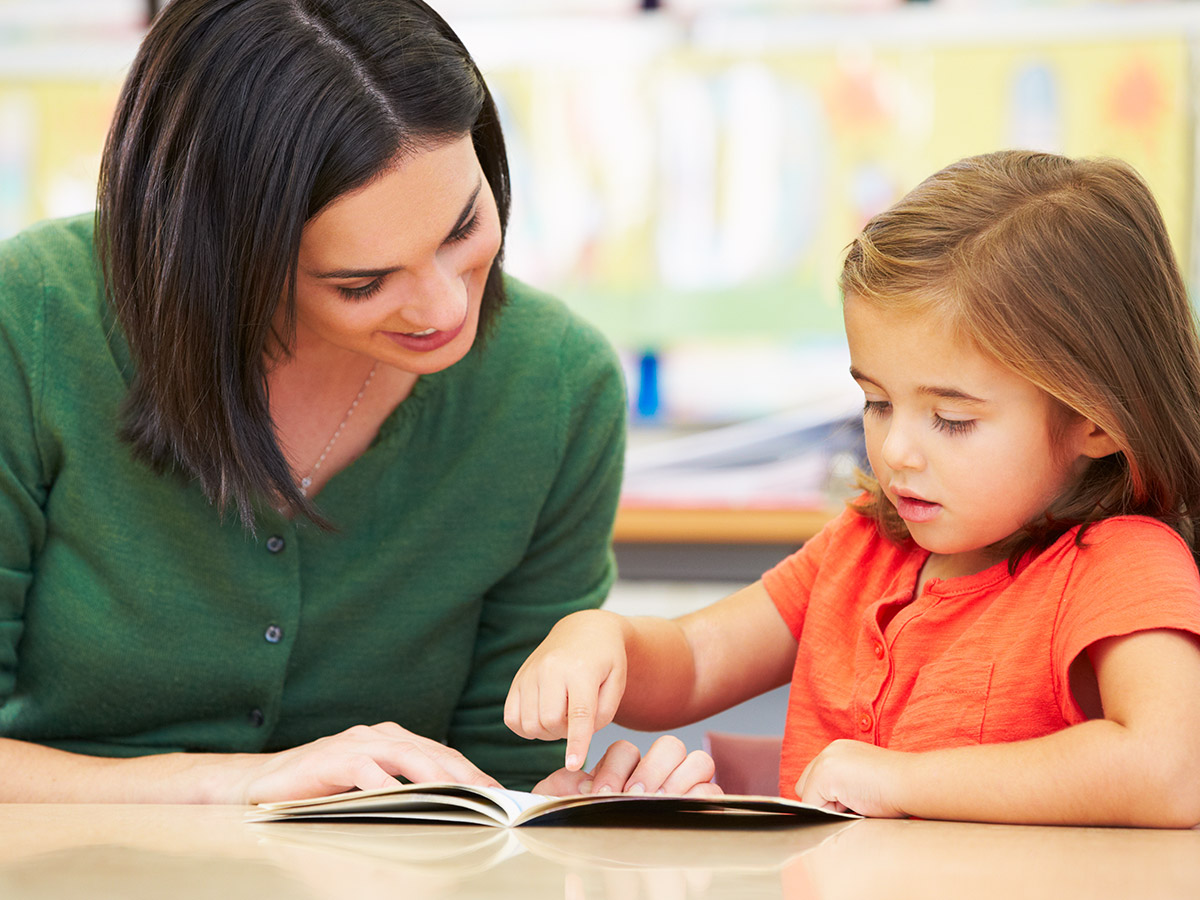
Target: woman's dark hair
x: 239, y: 121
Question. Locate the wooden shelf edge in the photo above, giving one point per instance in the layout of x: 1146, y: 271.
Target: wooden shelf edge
x: 718, y: 525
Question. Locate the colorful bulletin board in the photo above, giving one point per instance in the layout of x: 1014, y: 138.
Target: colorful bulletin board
x: 708, y: 192
x: 685, y: 184
x: 51, y: 134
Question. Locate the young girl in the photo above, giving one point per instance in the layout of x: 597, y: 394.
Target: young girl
x: 1004, y: 626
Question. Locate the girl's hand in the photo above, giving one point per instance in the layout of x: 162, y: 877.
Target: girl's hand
x: 363, y: 757
x: 855, y: 776
x: 667, y: 768
x: 572, y: 684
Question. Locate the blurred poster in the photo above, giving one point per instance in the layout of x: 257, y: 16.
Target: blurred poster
x: 679, y: 190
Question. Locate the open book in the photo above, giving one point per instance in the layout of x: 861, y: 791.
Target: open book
x: 463, y: 804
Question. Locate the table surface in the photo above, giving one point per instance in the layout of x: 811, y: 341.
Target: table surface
x: 50, y: 852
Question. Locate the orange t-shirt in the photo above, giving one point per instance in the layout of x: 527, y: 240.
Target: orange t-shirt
x: 973, y: 660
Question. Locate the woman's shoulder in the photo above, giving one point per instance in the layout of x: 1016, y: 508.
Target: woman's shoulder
x: 39, y: 262
x: 534, y: 320
x: 537, y: 337
x: 56, y: 258
x: 55, y: 248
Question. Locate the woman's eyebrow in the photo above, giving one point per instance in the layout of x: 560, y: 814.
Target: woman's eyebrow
x: 376, y: 273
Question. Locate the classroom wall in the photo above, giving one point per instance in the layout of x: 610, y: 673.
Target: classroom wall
x: 687, y: 179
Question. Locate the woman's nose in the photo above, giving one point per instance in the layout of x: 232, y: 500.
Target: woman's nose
x: 437, y: 298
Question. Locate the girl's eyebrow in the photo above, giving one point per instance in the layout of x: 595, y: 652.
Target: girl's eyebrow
x: 944, y: 393
x: 949, y: 393
x: 376, y: 273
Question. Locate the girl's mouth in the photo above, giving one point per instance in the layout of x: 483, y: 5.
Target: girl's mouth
x: 912, y: 509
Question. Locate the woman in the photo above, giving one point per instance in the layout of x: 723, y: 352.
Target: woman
x: 285, y: 456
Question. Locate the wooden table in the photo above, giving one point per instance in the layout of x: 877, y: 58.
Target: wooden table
x: 57, y: 852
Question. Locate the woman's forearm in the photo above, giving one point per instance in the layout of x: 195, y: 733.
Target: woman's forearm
x: 36, y: 774
x: 363, y: 756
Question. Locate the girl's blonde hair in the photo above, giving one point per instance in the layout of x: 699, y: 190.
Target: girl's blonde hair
x: 1061, y: 270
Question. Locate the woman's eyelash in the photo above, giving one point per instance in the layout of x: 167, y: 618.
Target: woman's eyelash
x: 461, y: 233
x: 361, y: 293
x: 465, y: 230
x: 876, y: 407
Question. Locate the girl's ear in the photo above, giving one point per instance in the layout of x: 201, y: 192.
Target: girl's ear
x: 1094, y: 441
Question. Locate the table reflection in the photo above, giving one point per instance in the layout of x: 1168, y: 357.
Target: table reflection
x: 929, y: 860
x: 50, y: 852
x: 572, y: 863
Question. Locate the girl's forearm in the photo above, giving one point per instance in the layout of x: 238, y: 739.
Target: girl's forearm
x: 661, y: 675
x: 1095, y: 773
x: 689, y: 668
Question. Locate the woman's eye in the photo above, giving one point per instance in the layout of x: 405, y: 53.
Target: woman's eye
x: 361, y: 293
x: 465, y: 230
x: 953, y: 426
x: 876, y: 407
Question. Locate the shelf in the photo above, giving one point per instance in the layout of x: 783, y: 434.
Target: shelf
x: 646, y: 525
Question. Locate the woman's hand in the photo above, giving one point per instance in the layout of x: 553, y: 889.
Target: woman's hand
x: 572, y: 684
x: 855, y: 776
x: 363, y: 757
x: 667, y: 768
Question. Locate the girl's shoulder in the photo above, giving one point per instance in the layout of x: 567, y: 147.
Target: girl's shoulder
x: 851, y: 538
x: 1125, y: 536
x: 1124, y: 550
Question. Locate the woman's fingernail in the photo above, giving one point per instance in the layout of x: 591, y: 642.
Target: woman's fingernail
x: 638, y: 788
x: 604, y: 789
x: 572, y: 762
x: 585, y: 787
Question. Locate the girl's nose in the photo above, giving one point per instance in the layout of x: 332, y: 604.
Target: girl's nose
x: 900, y: 450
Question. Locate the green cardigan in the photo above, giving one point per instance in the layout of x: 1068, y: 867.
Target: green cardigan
x: 134, y: 619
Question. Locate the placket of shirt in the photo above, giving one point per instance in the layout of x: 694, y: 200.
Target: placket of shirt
x: 874, y: 665
x: 279, y: 558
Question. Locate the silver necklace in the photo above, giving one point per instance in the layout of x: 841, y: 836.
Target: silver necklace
x: 306, y: 481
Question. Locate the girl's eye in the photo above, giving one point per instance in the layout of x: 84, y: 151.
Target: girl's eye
x: 953, y: 426
x: 465, y: 230
x: 876, y: 407
x: 361, y: 293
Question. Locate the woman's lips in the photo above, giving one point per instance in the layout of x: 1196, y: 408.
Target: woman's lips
x: 913, y: 510
x: 424, y: 343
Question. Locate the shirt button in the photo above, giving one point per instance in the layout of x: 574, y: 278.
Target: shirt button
x: 275, y: 544
x: 878, y: 650
x: 864, y: 722
x: 273, y: 634
x: 257, y: 718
